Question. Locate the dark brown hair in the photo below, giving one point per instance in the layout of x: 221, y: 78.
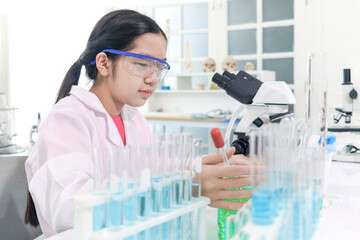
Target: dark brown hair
x: 116, y: 30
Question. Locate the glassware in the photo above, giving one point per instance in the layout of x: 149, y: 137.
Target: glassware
x: 101, y: 215
x: 118, y: 159
x: 196, y: 169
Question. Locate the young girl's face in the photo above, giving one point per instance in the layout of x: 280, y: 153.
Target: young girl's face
x: 130, y: 88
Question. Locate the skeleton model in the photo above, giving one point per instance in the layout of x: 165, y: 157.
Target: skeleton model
x: 189, y: 67
x: 249, y: 66
x: 167, y: 29
x: 229, y: 64
x: 209, y: 65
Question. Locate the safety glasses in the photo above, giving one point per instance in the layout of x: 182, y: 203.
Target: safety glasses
x: 141, y: 65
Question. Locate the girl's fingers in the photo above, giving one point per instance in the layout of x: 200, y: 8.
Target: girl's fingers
x: 237, y: 182
x: 232, y: 171
x: 227, y: 205
x: 230, y: 152
x: 217, y: 158
x: 235, y: 194
x: 239, y: 159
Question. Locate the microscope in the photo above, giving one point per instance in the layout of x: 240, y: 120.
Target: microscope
x: 349, y: 94
x: 350, y: 152
x: 258, y: 99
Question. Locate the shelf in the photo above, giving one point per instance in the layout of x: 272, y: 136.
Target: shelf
x: 190, y: 91
x: 8, y: 108
x: 198, y: 74
x: 201, y: 74
x: 183, y: 120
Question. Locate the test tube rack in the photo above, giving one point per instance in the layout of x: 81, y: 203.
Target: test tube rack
x: 246, y: 229
x: 83, y: 220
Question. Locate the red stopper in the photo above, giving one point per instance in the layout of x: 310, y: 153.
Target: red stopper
x: 217, y: 138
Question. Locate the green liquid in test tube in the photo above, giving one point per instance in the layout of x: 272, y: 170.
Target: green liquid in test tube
x: 224, y: 213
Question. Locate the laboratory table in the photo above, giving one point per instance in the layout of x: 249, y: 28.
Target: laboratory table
x: 341, y: 211
x: 13, y: 195
x: 340, y: 215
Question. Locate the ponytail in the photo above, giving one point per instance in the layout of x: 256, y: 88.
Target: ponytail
x: 30, y: 214
x: 71, y: 78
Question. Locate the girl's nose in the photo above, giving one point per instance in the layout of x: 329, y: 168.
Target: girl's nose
x: 152, y: 78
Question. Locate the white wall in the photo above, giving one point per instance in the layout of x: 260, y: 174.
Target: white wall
x: 46, y: 37
x: 342, y: 45
x: 333, y: 29
x: 4, y: 57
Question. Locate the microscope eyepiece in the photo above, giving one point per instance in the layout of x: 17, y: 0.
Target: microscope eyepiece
x: 347, y: 76
x: 220, y: 80
x: 241, y: 87
x: 229, y: 75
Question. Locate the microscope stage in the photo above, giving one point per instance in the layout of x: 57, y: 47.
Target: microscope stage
x: 344, y: 129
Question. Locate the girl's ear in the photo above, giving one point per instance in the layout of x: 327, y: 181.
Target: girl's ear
x: 103, y: 64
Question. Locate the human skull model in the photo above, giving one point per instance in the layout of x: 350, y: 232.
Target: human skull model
x: 209, y: 65
x: 249, y: 66
x: 229, y: 64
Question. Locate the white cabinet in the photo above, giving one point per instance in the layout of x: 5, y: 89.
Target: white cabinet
x: 249, y: 31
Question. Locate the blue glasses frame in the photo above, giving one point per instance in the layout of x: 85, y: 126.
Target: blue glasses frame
x: 132, y: 55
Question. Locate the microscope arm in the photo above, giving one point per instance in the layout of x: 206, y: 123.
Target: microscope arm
x: 254, y: 111
x: 258, y: 98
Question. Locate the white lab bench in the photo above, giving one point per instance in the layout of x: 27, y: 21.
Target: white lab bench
x: 341, y: 212
x: 341, y: 207
x: 340, y: 215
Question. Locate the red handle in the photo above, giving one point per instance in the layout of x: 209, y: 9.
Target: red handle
x: 217, y: 138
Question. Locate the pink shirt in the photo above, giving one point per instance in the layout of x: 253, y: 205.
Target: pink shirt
x: 120, y: 127
x: 60, y: 164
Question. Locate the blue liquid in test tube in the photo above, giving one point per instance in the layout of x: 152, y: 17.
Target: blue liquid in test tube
x: 262, y: 207
x: 130, y: 210
x: 187, y: 190
x: 117, y: 209
x: 156, y: 194
x: 144, y: 204
x: 177, y: 186
x: 167, y: 197
x: 100, y: 215
x: 196, y: 191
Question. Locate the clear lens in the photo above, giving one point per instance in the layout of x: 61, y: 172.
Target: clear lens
x: 145, y: 68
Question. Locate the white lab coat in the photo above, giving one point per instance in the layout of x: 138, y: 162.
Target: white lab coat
x: 60, y: 164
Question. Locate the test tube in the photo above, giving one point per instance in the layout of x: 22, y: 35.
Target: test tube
x: 177, y: 183
x: 157, y: 173
x: 262, y: 193
x: 118, y: 157
x: 101, y: 216
x: 187, y: 167
x: 196, y: 169
x: 167, y: 156
x: 130, y: 192
x: 157, y: 168
x: 143, y: 155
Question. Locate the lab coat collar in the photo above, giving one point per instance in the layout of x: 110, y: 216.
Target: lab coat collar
x: 88, y: 98
x: 93, y: 102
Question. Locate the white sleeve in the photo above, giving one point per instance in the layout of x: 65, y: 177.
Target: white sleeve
x: 66, y: 169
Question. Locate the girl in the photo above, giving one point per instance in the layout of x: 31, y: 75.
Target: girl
x: 126, y: 58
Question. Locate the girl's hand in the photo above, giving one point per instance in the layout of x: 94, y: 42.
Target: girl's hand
x: 217, y: 179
